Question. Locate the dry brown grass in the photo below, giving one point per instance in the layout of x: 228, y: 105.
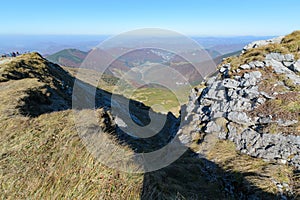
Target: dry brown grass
x: 286, y: 106
x: 255, y: 172
x: 292, y: 43
x: 44, y: 158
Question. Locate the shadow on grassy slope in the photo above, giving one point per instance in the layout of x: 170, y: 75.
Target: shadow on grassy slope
x: 194, y: 177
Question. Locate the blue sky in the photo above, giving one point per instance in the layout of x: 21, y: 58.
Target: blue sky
x: 197, y: 17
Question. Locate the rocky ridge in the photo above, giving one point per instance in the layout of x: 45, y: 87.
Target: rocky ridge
x: 260, y: 43
x: 239, y: 104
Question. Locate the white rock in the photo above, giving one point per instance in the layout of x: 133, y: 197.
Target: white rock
x: 279, y: 68
x: 212, y: 127
x: 239, y: 117
x: 260, y: 43
x: 296, y: 66
x: 289, y: 58
x: 259, y: 64
x: 120, y: 122
x: 275, y: 56
x: 255, y: 74
x: 245, y: 66
x: 230, y: 83
x: 256, y: 64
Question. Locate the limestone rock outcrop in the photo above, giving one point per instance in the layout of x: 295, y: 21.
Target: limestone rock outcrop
x: 233, y: 94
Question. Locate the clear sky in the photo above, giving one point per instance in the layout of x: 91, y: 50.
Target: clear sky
x: 195, y: 17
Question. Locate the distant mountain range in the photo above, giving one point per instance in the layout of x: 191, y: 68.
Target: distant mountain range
x: 74, y: 57
x: 140, y: 63
x: 68, y: 57
x: 49, y: 44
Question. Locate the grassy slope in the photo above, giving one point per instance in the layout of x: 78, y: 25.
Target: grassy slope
x: 43, y: 157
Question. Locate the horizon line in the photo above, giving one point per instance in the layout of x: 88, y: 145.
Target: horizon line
x: 110, y: 35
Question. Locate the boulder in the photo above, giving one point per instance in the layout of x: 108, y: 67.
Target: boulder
x: 216, y: 106
x: 217, y: 114
x: 120, y: 122
x: 193, y: 95
x: 234, y: 93
x: 184, y: 138
x: 212, y: 127
x: 266, y: 95
x: 224, y: 68
x: 240, y: 104
x: 239, y: 117
x: 230, y: 83
x: 211, y: 80
x: 215, y: 94
x: 259, y: 64
x: 255, y: 75
x: 261, y: 100
x: 245, y: 66
x: 279, y: 68
x: 223, y: 135
x: 256, y: 64
x: 296, y: 66
x: 260, y: 43
x: 205, y: 118
x: 265, y: 120
x: 250, y: 78
x: 232, y: 131
x: 275, y: 56
x: 248, y: 82
x: 206, y: 102
x: 225, y: 107
x: 287, y: 64
x: 251, y: 92
x: 289, y: 58
x: 286, y: 122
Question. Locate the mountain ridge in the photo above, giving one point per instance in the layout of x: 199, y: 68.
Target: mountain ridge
x: 43, y: 155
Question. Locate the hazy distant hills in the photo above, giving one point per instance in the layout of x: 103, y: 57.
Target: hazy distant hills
x: 74, y: 57
x: 139, y: 62
x: 142, y: 62
x: 226, y: 45
x: 68, y: 57
x: 219, y: 59
x: 50, y: 44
